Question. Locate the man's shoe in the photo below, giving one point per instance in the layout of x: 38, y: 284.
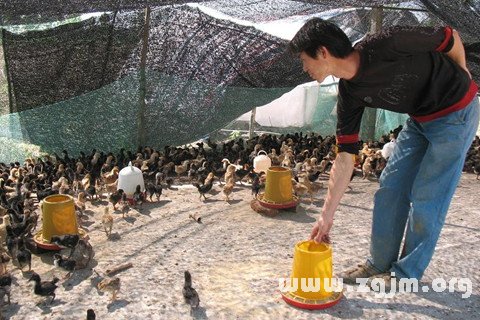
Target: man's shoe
x: 363, y: 271
x: 385, y: 282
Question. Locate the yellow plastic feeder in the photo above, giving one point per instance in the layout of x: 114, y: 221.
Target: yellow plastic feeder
x: 312, y: 266
x: 278, y: 189
x: 58, y: 215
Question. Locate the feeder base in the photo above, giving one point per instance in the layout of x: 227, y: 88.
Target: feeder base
x: 274, y: 205
x: 44, y: 244
x: 311, y: 304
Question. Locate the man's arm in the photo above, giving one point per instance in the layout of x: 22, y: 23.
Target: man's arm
x: 339, y: 179
x: 457, y: 53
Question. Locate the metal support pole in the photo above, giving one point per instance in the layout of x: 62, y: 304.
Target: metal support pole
x: 142, y: 89
x: 251, y: 127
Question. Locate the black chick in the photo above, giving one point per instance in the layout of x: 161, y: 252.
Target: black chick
x: 5, y: 280
x: 44, y: 288
x: 312, y: 177
x: 64, y: 263
x: 24, y: 256
x: 476, y: 170
x: 66, y: 240
x: 116, y: 197
x: 189, y: 293
x: 169, y: 182
x: 11, y: 245
x: 204, y: 188
x: 241, y: 173
x: 256, y: 185
x: 154, y: 189
x: 138, y: 195
x: 5, y: 284
x: 91, y: 192
x: 91, y: 314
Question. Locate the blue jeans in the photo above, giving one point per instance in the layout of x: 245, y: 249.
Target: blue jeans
x: 416, y: 188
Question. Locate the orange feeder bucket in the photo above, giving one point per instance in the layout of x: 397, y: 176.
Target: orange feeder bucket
x: 59, y: 218
x: 311, y: 285
x: 278, y: 189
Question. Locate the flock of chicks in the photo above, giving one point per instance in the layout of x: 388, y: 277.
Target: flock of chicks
x: 88, y: 177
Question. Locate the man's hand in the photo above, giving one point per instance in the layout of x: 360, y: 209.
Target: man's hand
x: 339, y: 179
x: 321, y: 230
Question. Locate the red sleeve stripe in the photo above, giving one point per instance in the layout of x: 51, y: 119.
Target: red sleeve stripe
x: 448, y: 35
x: 351, y: 138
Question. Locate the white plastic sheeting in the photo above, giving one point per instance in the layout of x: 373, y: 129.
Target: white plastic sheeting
x: 295, y: 108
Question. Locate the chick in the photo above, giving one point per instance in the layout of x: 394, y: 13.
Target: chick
x: 64, y: 263
x: 91, y: 314
x: 66, y: 240
x: 299, y: 189
x: 154, y: 189
x: 476, y: 169
x: 111, y: 187
x: 230, y: 173
x: 107, y: 221
x: 181, y: 169
x: 125, y: 205
x: 228, y: 188
x: 4, y: 259
x: 80, y: 202
x: 312, y: 177
x: 204, y: 188
x: 189, y: 293
x: 5, y: 285
x: 82, y: 254
x: 256, y: 185
x: 91, y: 192
x: 11, y: 246
x: 110, y: 285
x: 44, y: 288
x: 138, y: 195
x: 24, y: 256
x: 367, y: 166
x: 313, y: 187
x: 115, y: 198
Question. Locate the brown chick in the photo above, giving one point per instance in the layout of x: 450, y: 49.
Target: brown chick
x: 112, y: 176
x: 209, y: 178
x: 181, y: 169
x: 80, y: 202
x: 228, y: 188
x: 111, y: 187
x: 230, y: 173
x: 110, y: 285
x: 299, y: 189
x: 86, y: 181
x: 367, y: 167
x: 4, y: 259
x: 312, y: 187
x: 107, y: 221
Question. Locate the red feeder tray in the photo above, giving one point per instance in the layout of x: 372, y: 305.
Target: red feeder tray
x: 275, y: 205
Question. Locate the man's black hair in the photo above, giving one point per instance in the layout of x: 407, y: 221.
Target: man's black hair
x: 317, y: 33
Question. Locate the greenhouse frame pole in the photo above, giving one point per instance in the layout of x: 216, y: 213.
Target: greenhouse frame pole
x: 7, y: 74
x: 251, y: 128
x: 371, y: 113
x: 143, y: 88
